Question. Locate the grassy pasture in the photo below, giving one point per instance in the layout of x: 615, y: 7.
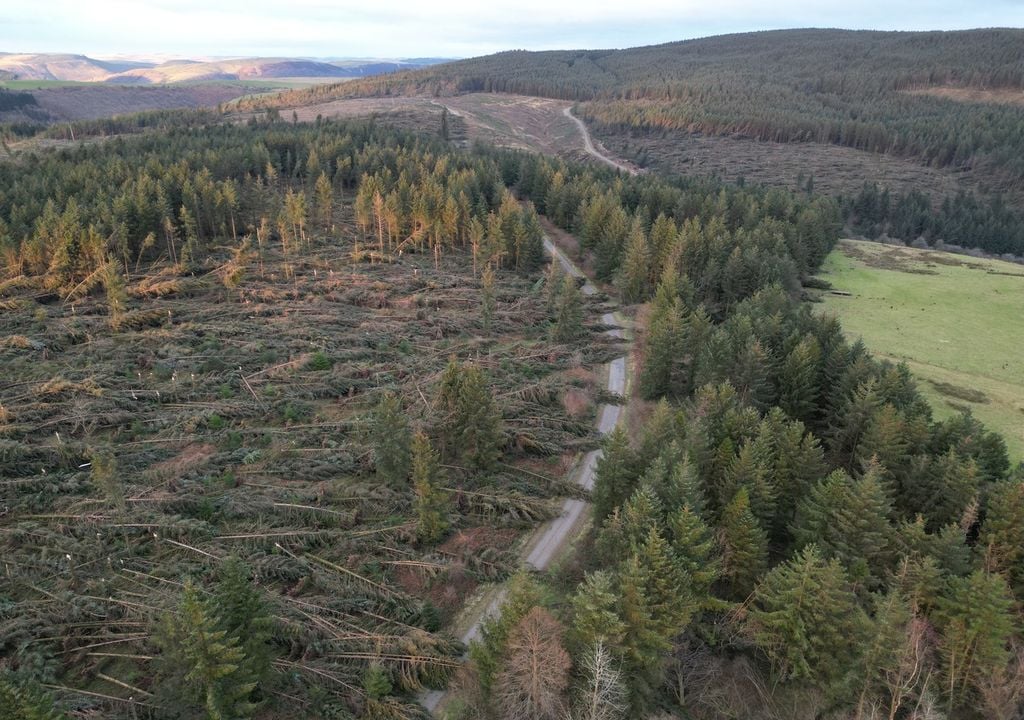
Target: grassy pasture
x: 957, y: 322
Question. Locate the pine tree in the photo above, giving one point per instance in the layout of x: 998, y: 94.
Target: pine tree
x: 568, y: 312
x: 488, y: 299
x: 849, y: 520
x: 431, y: 500
x: 595, y: 613
x: 1002, y: 534
x: 324, y: 199
x: 200, y: 662
x: 21, y: 701
x: 664, y: 371
x: 243, y: 614
x: 616, y: 475
x: 695, y: 550
x: 806, y: 620
x: 977, y: 620
x: 744, y: 546
x: 798, y: 380
x: 634, y: 274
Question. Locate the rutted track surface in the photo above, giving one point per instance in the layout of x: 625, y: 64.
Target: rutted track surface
x: 554, y: 535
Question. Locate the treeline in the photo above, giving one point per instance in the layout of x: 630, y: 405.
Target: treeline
x: 792, y: 529
x: 831, y: 86
x: 962, y: 219
x: 11, y: 100
x: 180, y: 193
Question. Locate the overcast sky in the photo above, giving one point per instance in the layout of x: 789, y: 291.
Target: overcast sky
x: 445, y: 28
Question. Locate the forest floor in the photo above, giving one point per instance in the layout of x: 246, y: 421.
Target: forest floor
x: 836, y: 170
x: 549, y: 541
x: 958, y: 323
x: 236, y: 413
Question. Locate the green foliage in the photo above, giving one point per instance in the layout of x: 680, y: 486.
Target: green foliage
x: 391, y: 439
x: 806, y: 620
x: 431, y: 500
x: 744, y: 546
x: 616, y: 474
x: 488, y: 301
x: 977, y: 619
x: 849, y: 520
x: 376, y: 682
x: 595, y: 616
x: 25, y: 702
x: 1002, y: 534
x: 568, y: 313
x: 201, y: 665
x: 469, y: 422
x: 319, y: 362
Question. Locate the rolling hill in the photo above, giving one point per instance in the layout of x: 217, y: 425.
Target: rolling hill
x: 81, y: 68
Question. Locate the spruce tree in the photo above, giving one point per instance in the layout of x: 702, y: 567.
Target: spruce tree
x: 695, y: 550
x: 643, y: 646
x: 977, y: 619
x: 616, y: 475
x: 634, y: 274
x: 431, y: 500
x: 595, y: 611
x: 23, y: 701
x: 469, y: 423
x: 798, y: 380
x: 390, y: 438
x: 568, y: 324
x: 744, y: 546
x: 488, y: 299
x: 243, y: 614
x: 201, y: 664
x: 806, y: 620
x: 664, y: 372
x: 849, y: 520
x: 1002, y: 534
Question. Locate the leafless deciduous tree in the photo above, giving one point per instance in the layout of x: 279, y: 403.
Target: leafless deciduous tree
x: 601, y: 694
x: 532, y: 684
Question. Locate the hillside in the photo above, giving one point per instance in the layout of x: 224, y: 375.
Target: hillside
x: 946, y: 101
x: 81, y: 68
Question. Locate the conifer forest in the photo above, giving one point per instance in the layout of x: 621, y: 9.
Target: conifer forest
x: 286, y: 403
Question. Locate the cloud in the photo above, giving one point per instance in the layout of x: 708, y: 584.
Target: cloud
x: 447, y: 28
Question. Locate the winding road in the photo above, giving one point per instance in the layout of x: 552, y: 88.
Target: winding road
x: 591, y: 149
x: 556, y: 533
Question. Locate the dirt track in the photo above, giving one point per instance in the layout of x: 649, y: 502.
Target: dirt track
x: 554, y: 535
x: 588, y: 145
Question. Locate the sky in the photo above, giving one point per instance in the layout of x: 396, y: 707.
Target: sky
x: 444, y: 28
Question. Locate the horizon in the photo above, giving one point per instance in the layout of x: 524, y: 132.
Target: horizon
x: 318, y: 29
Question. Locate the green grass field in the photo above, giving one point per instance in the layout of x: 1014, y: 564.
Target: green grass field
x: 957, y: 322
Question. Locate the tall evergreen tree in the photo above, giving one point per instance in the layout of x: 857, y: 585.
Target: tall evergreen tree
x: 431, y: 500
x: 568, y: 312
x: 634, y: 274
x: 977, y: 620
x: 617, y: 474
x: 744, y: 546
x: 1002, y: 534
x: 391, y: 438
x: 806, y: 620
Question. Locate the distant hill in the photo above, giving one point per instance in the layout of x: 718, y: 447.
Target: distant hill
x: 894, y: 93
x: 81, y: 68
